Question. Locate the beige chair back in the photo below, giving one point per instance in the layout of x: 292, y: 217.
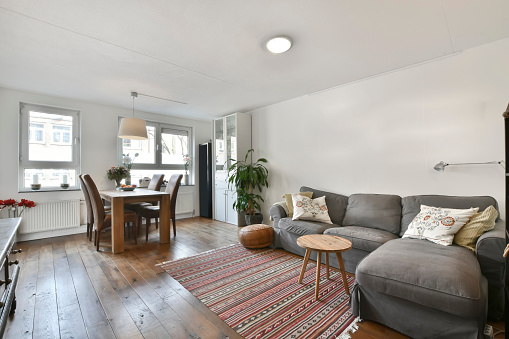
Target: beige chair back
x: 156, y: 182
x: 173, y: 188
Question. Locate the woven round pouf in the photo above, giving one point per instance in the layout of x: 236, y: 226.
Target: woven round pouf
x: 256, y: 236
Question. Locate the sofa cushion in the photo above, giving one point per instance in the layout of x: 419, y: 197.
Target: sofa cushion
x: 480, y: 223
x: 411, y: 205
x: 446, y: 278
x: 305, y: 208
x: 438, y: 225
x: 336, y: 203
x: 289, y: 201
x: 362, y: 238
x: 301, y: 227
x: 379, y: 211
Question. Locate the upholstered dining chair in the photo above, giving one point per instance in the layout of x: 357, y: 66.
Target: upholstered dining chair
x: 102, y: 220
x: 90, y: 212
x: 154, y: 185
x: 149, y: 212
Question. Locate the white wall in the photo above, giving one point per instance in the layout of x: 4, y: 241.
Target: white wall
x: 99, y: 127
x: 385, y: 134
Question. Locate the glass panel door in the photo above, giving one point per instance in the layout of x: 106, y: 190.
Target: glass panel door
x: 221, y: 155
x: 231, y: 139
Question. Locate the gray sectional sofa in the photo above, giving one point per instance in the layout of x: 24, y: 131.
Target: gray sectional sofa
x: 422, y: 289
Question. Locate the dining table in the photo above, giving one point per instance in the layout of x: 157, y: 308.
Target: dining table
x: 119, y: 198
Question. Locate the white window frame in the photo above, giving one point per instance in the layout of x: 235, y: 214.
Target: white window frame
x: 25, y: 163
x: 159, y: 148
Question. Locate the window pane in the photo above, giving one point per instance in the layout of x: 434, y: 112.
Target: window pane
x: 43, y: 124
x: 48, y: 177
x: 36, y: 133
x: 220, y: 146
x: 146, y: 149
x: 175, y: 147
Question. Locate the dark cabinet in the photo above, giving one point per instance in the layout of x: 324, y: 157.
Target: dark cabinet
x: 205, y: 179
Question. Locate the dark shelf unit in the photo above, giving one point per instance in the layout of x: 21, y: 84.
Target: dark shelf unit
x: 205, y: 179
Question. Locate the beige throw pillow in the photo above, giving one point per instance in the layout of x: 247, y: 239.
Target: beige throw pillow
x: 480, y: 223
x: 438, y: 225
x: 289, y: 202
x: 305, y: 208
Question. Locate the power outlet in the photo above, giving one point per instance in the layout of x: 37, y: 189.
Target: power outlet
x: 488, y: 332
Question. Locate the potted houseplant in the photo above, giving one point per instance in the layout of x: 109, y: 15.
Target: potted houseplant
x: 247, y: 177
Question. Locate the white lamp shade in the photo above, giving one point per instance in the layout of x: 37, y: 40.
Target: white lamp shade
x: 133, y: 128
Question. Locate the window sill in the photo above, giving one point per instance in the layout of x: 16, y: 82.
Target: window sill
x: 49, y: 190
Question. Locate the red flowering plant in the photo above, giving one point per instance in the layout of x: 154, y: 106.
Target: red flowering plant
x: 13, y: 205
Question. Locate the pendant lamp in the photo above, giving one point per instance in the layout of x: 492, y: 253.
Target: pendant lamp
x: 133, y: 128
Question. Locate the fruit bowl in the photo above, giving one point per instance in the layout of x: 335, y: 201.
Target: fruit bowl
x: 128, y: 188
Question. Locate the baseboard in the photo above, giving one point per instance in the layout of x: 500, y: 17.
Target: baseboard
x: 52, y: 234
x: 73, y: 230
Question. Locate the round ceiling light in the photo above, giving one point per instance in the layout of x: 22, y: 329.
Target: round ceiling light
x: 279, y: 44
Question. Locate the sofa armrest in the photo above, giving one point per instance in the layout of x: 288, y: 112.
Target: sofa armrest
x: 278, y: 211
x: 489, y: 250
x: 492, y: 243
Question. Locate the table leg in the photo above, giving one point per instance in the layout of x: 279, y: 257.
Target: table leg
x: 117, y: 225
x: 318, y: 266
x: 327, y: 263
x: 343, y: 273
x: 304, y: 265
x: 165, y: 219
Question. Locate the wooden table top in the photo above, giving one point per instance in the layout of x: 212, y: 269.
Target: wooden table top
x: 324, y: 243
x: 136, y: 193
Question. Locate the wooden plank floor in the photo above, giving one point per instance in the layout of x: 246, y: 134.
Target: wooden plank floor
x: 69, y: 290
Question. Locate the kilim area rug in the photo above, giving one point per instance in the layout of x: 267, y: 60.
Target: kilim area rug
x: 256, y: 292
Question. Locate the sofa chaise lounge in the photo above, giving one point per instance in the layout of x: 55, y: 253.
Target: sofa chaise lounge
x: 422, y: 289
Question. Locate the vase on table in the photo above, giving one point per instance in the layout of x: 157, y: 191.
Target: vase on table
x: 117, y: 183
x: 128, y: 180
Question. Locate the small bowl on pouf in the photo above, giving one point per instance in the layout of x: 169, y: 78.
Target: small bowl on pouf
x: 64, y: 186
x: 35, y: 187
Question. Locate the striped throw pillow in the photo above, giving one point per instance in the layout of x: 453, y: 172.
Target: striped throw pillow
x: 479, y: 223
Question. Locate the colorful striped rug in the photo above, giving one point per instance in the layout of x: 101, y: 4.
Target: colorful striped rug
x: 256, y: 292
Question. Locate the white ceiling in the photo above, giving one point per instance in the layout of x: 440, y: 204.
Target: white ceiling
x: 210, y: 54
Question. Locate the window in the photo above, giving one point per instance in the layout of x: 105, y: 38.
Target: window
x: 49, y: 147
x: 132, y: 144
x: 36, y: 132
x: 163, y: 152
x: 62, y: 134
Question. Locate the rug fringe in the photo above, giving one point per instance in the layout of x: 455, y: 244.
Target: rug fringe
x: 352, y: 328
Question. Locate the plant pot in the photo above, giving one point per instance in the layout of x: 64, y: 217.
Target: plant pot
x: 254, y: 219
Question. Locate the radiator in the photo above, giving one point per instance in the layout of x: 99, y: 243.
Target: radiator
x: 51, y: 215
x: 185, y: 203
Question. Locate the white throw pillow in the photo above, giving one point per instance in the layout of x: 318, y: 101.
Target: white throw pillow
x: 438, y: 225
x: 305, y: 208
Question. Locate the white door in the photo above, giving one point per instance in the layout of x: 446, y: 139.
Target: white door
x: 220, y: 204
x: 231, y: 214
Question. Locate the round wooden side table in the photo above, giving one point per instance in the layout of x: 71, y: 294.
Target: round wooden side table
x: 326, y: 244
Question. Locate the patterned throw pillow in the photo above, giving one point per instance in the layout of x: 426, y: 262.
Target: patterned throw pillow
x: 305, y: 208
x: 438, y: 225
x: 481, y: 222
x: 289, y: 201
